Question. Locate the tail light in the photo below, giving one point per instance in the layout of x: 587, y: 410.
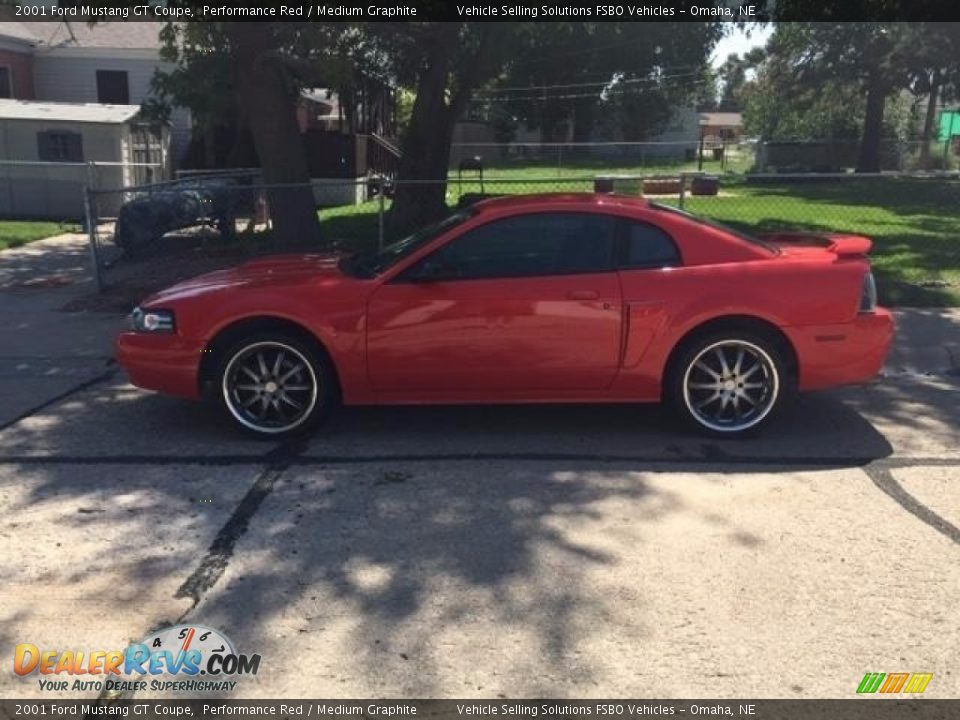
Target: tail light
x: 868, y: 298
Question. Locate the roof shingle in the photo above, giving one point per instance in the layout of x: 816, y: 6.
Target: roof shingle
x: 113, y: 35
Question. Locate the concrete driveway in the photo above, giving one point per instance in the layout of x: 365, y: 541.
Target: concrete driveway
x: 484, y: 552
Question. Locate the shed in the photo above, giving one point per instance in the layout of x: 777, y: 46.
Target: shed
x: 50, y: 151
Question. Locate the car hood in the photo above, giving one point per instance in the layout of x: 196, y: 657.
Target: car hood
x: 271, y: 270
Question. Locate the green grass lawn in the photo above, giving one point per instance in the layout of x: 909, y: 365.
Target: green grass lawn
x: 915, y: 224
x: 354, y: 227
x: 560, y: 167
x: 14, y: 233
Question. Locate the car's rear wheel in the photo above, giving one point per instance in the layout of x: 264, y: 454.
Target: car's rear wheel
x: 729, y: 383
x: 275, y: 386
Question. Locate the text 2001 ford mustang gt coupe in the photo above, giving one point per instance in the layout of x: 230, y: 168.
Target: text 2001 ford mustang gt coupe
x: 548, y: 298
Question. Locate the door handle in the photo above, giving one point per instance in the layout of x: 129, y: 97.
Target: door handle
x: 582, y: 295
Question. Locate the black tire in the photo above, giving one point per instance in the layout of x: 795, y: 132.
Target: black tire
x: 722, y: 400
x: 278, y: 403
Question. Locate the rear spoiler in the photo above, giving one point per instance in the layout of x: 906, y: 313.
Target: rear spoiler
x: 841, y: 245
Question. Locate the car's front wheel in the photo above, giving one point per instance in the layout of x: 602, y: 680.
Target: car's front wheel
x: 275, y: 386
x: 729, y: 383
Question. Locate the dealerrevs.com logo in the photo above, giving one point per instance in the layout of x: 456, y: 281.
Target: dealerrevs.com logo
x: 894, y: 683
x: 191, y: 658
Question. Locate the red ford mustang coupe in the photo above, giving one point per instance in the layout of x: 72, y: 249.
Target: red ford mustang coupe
x: 526, y: 299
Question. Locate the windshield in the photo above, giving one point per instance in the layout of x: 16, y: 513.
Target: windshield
x: 374, y: 262
x: 746, y: 237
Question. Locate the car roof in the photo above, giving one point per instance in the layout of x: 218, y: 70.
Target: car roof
x: 559, y: 200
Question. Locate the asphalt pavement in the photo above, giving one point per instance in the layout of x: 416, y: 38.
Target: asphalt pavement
x: 567, y: 551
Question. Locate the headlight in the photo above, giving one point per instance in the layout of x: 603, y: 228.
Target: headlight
x: 868, y: 298
x: 149, y: 320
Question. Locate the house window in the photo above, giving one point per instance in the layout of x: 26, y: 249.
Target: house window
x: 60, y: 146
x: 113, y: 88
x: 6, y: 82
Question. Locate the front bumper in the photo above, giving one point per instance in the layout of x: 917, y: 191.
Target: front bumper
x: 161, y: 362
x: 850, y: 353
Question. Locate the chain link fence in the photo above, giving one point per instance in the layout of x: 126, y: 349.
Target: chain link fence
x: 518, y: 160
x: 158, y: 234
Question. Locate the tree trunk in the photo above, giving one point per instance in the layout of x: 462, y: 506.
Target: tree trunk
x: 420, y: 194
x: 426, y: 146
x: 270, y: 112
x: 929, y: 120
x: 869, y: 160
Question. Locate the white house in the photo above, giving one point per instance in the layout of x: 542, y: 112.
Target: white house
x: 109, y: 63
x: 46, y: 150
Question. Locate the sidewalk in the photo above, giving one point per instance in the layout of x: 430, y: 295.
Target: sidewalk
x: 927, y: 342
x: 44, y: 351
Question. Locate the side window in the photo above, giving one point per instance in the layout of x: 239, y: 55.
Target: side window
x: 647, y: 246
x: 524, y: 246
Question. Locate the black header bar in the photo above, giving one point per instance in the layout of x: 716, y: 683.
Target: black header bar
x: 485, y: 10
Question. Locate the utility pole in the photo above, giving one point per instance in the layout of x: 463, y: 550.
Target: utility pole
x: 700, y: 154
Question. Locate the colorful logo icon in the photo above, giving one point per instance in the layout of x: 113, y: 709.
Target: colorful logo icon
x: 889, y: 683
x: 182, y: 650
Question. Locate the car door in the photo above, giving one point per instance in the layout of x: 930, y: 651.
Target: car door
x: 647, y: 257
x: 524, y: 303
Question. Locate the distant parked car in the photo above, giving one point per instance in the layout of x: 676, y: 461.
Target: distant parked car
x: 144, y: 220
x: 525, y: 299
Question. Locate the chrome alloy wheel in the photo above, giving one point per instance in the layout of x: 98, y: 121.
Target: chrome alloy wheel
x: 731, y: 386
x: 270, y: 387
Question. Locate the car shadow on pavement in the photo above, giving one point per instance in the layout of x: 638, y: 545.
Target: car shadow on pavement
x: 817, y: 430
x: 120, y: 422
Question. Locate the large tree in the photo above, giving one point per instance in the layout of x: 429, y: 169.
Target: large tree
x: 269, y: 63
x: 628, y: 75
x: 873, y: 55
x: 643, y: 70
x: 201, y: 78
x: 444, y: 62
x: 733, y: 75
x: 253, y: 73
x: 267, y: 93
x: 934, y: 73
x: 822, y: 74
x: 776, y: 105
x: 648, y: 66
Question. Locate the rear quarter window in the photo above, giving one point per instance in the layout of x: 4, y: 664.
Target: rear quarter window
x: 646, y: 246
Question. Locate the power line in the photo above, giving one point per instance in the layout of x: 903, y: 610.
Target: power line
x: 614, y: 90
x: 569, y: 53
x: 571, y: 96
x: 607, y: 81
